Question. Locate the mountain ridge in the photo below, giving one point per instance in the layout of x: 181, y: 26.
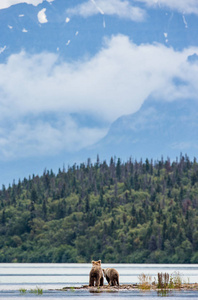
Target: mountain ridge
x: 162, y: 128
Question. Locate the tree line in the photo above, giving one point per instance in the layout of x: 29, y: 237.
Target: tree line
x: 124, y: 212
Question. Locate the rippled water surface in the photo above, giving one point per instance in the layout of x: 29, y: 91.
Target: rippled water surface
x: 21, y: 280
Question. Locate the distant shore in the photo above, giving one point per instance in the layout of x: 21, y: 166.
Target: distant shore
x: 131, y: 287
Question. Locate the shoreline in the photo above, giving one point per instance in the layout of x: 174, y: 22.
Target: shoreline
x: 131, y: 287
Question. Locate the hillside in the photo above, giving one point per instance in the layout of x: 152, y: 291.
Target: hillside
x: 130, y: 212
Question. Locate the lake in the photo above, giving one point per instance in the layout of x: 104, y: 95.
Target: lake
x: 49, y: 277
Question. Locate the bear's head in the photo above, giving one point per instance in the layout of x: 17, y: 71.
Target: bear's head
x: 96, y: 263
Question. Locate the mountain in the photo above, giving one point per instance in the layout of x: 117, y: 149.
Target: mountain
x: 157, y: 129
x: 77, y: 80
x: 58, y: 27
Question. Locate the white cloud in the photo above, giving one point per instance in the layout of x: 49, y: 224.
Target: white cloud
x: 183, y: 6
x: 122, y: 9
x: 8, y: 3
x: 115, y: 82
x: 42, y: 16
x: 42, y: 138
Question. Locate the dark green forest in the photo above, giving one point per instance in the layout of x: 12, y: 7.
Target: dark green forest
x: 124, y: 212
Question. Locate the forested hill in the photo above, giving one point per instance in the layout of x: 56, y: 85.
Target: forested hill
x: 133, y: 212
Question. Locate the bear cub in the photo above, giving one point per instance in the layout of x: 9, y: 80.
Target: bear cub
x: 96, y: 275
x: 111, y: 275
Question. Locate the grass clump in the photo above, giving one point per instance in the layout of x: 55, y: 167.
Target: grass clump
x: 163, y: 280
x: 37, y: 291
x: 23, y: 291
x: 172, y: 282
x: 175, y: 281
x: 145, y: 282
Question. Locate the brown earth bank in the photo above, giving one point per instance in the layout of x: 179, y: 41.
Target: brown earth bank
x: 130, y: 287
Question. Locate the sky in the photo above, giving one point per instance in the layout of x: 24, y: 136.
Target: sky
x: 52, y: 103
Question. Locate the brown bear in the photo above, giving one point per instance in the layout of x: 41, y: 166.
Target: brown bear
x: 111, y: 275
x: 96, y: 275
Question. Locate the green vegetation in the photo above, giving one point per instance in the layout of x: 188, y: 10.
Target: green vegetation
x: 23, y: 291
x: 165, y: 281
x: 132, y: 212
x: 145, y: 282
x: 37, y: 291
x: 175, y: 281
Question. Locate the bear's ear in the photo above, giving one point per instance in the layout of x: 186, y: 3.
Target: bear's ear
x: 99, y: 261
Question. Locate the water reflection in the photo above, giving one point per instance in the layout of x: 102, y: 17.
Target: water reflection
x: 164, y: 293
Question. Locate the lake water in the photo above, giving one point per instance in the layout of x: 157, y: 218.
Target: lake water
x: 49, y: 277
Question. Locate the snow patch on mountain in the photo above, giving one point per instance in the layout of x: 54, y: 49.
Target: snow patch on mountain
x: 185, y: 22
x: 97, y: 7
x: 42, y: 18
x: 2, y: 49
x: 166, y: 37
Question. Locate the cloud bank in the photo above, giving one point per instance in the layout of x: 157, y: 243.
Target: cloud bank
x: 40, y: 94
x: 39, y: 137
x: 8, y: 3
x: 122, y: 9
x: 183, y: 6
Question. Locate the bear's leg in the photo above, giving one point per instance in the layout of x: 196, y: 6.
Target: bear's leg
x: 91, y: 281
x: 101, y: 281
x: 118, y: 281
x: 97, y: 280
